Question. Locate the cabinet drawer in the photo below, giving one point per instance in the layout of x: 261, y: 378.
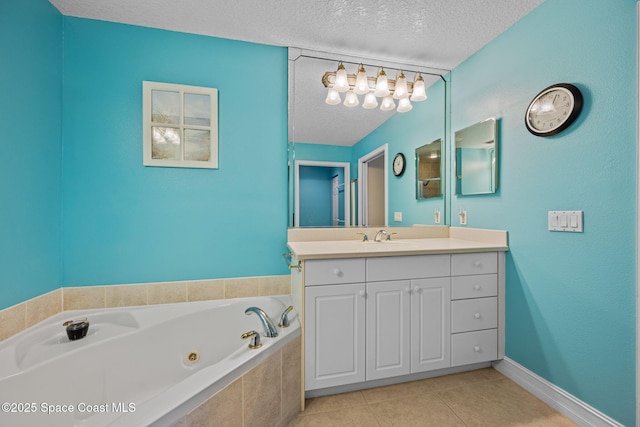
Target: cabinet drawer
x: 476, y: 263
x: 474, y: 314
x: 485, y: 285
x: 408, y: 267
x: 333, y: 271
x: 474, y: 347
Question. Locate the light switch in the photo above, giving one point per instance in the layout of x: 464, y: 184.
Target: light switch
x: 397, y: 216
x: 565, y: 221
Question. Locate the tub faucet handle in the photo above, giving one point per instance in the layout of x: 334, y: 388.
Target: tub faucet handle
x: 255, y: 339
x: 284, y: 319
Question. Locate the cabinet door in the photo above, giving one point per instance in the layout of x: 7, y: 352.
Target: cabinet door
x: 430, y: 324
x: 388, y: 329
x: 334, y: 335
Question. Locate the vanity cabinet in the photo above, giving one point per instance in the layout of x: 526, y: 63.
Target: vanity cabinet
x: 381, y: 317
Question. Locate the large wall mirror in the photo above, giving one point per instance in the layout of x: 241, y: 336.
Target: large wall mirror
x: 477, y: 158
x: 336, y: 152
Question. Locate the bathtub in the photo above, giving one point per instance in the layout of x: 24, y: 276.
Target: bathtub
x: 148, y: 365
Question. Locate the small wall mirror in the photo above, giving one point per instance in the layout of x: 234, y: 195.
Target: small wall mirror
x: 476, y: 158
x: 429, y: 170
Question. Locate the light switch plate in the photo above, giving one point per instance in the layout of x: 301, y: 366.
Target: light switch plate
x: 397, y: 216
x: 570, y: 221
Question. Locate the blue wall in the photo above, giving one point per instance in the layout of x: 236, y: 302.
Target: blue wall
x: 30, y: 175
x: 315, y: 196
x: 570, y: 297
x: 128, y: 223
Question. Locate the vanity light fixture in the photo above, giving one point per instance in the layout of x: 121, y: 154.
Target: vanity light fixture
x: 372, y: 88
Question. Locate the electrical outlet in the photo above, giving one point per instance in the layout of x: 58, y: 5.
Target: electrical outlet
x: 463, y: 216
x: 436, y: 216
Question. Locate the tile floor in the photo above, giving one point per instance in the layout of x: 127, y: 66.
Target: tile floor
x: 477, y: 398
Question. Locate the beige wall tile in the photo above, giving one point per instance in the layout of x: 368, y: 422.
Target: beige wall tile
x: 12, y: 320
x: 263, y: 393
x: 222, y: 409
x: 43, y: 307
x: 291, y: 377
x: 204, y: 290
x: 275, y: 285
x: 166, y: 293
x: 83, y: 297
x: 126, y: 295
x: 242, y: 287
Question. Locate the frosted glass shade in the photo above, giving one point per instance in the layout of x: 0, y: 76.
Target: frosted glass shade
x: 351, y: 100
x: 419, y: 91
x: 362, y: 84
x: 370, y: 101
x: 342, y: 82
x: 387, y: 103
x: 333, y: 97
x: 401, y: 90
x: 382, y: 85
x: 404, y: 105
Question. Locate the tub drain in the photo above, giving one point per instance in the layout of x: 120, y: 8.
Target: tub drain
x: 192, y: 357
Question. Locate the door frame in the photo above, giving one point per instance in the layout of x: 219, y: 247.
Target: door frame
x: 363, y: 164
x: 347, y: 191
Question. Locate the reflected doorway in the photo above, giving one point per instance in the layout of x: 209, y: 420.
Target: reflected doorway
x: 372, y: 188
x: 321, y: 195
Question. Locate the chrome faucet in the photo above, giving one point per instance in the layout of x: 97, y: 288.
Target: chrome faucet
x: 380, y: 234
x: 270, y: 329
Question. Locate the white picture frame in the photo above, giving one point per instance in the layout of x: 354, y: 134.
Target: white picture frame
x: 180, y: 125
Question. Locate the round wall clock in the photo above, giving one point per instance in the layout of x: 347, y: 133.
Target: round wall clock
x: 399, y: 163
x: 553, y: 109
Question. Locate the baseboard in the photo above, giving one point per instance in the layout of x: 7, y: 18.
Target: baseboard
x: 563, y: 402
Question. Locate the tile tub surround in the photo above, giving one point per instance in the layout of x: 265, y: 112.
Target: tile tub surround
x: 21, y: 316
x: 267, y: 396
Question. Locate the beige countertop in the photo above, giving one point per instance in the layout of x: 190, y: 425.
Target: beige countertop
x: 345, y: 243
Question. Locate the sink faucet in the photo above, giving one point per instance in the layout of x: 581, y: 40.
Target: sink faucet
x: 380, y: 234
x: 270, y: 329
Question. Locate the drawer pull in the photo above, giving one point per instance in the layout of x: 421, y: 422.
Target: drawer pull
x: 337, y: 272
x: 477, y: 263
x: 476, y: 287
x: 476, y: 348
x: 477, y: 315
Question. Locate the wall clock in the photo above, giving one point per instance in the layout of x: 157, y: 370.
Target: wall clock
x: 399, y: 163
x: 553, y: 109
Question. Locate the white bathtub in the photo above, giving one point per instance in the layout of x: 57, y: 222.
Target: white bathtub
x: 133, y: 367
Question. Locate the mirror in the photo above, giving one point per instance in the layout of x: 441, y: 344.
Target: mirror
x: 429, y: 170
x: 476, y: 158
x: 335, y: 134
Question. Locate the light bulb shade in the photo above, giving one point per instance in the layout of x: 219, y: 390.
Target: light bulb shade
x: 370, y: 101
x: 333, y: 97
x: 351, y: 100
x: 342, y: 81
x: 404, y: 105
x: 387, y: 103
x: 362, y: 84
x: 382, y: 85
x: 419, y: 91
x: 401, y: 90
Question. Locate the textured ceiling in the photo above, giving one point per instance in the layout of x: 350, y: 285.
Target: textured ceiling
x: 435, y: 33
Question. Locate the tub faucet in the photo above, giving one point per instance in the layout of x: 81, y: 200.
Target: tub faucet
x: 380, y: 234
x: 270, y: 329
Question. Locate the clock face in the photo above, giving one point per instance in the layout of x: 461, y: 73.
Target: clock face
x: 398, y: 164
x: 553, y: 109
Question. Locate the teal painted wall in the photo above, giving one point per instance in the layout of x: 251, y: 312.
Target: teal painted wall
x: 30, y: 175
x: 570, y: 297
x: 126, y: 223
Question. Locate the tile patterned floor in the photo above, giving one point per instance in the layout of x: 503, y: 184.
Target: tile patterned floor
x: 476, y: 398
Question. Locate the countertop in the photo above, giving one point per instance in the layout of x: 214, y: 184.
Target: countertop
x: 419, y: 241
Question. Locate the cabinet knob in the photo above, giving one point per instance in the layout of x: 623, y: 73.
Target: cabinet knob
x: 337, y: 272
x: 362, y: 293
x: 477, y: 315
x: 476, y: 348
x: 416, y: 289
x: 476, y: 287
x: 407, y: 290
x: 477, y: 263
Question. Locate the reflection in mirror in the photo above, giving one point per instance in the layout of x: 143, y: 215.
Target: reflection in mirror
x: 320, y: 132
x: 476, y: 158
x: 429, y: 170
x: 322, y: 198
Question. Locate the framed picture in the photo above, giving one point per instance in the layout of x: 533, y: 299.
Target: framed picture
x: 180, y: 125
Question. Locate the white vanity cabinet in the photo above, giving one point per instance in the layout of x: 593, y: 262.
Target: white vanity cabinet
x: 474, y: 308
